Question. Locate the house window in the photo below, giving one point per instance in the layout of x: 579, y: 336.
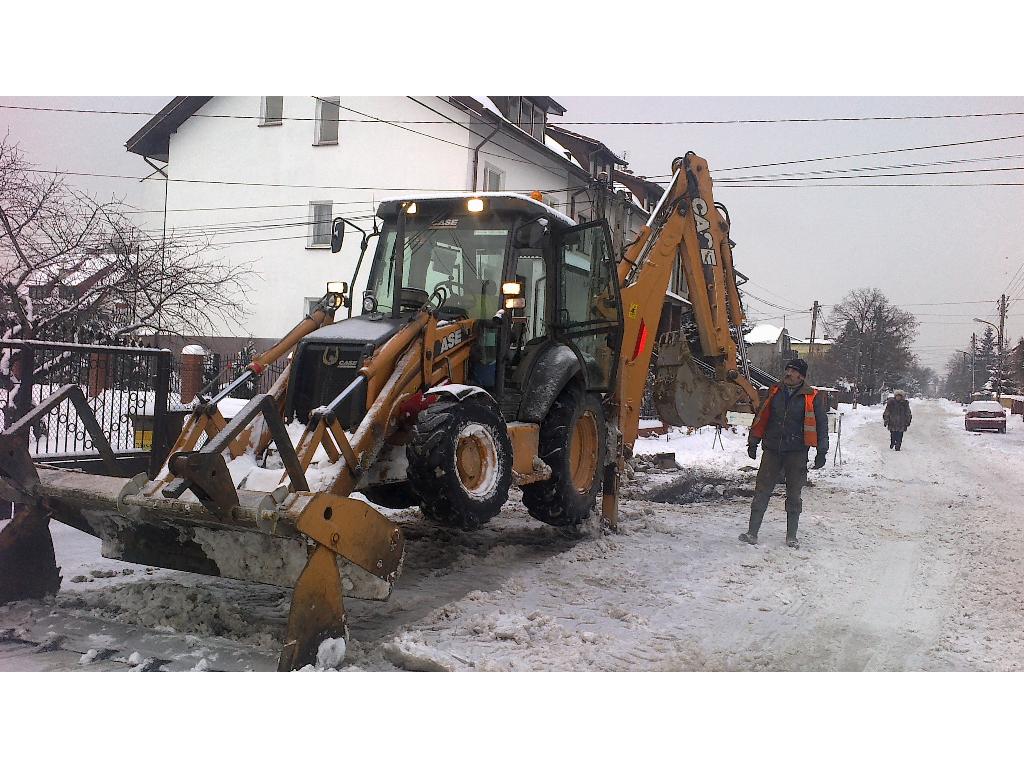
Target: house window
x: 309, y: 303
x: 271, y: 110
x: 526, y: 120
x: 327, y: 109
x: 514, y: 103
x: 36, y: 292
x: 494, y: 178
x: 320, y: 215
x: 538, y: 123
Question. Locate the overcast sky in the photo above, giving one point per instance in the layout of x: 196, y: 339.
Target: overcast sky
x: 920, y: 245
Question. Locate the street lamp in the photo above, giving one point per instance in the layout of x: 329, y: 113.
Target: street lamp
x: 999, y: 374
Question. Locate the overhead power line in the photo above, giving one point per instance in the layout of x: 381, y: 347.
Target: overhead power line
x: 731, y: 121
x: 875, y: 153
x: 286, y: 186
x: 767, y: 179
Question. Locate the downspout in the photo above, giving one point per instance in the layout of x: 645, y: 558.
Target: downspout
x: 163, y: 254
x: 476, y: 151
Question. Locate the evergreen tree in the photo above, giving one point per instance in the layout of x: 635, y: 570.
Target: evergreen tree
x: 985, y: 361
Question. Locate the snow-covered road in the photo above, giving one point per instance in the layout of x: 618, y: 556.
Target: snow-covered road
x: 910, y: 561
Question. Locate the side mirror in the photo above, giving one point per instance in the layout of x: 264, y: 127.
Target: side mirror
x: 337, y: 234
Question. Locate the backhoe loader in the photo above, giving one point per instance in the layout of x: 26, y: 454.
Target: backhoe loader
x: 499, y: 344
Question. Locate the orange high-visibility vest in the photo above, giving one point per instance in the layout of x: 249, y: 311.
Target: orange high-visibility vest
x: 810, y: 422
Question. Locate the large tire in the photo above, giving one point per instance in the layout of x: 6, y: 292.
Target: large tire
x: 392, y: 495
x: 572, y: 438
x: 460, y: 463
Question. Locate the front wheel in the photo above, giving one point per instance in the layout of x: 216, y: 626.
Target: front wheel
x: 572, y: 438
x: 460, y: 463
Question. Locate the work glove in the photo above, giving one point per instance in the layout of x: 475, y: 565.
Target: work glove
x: 819, y: 459
x: 752, y: 450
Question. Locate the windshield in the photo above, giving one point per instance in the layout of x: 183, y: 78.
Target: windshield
x: 464, y: 255
x: 986, y: 405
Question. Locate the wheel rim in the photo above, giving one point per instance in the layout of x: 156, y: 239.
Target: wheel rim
x: 476, y: 461
x: 583, y: 452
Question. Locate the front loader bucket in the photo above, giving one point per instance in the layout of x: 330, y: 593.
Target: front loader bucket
x: 265, y: 538
x: 683, y: 394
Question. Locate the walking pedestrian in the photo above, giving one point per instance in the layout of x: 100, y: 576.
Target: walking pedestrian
x: 792, y: 420
x: 896, y: 418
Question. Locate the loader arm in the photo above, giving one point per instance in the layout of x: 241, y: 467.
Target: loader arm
x: 686, y: 225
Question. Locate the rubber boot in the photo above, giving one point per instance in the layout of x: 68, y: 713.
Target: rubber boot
x: 749, y: 538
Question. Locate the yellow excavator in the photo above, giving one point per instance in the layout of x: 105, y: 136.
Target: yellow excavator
x: 499, y: 343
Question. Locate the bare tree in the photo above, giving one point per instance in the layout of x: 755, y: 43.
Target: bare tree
x: 71, y: 267
x: 873, y: 340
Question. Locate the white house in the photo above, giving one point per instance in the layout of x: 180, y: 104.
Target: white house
x: 262, y: 177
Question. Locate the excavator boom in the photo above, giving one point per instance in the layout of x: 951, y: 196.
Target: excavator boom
x: 686, y: 228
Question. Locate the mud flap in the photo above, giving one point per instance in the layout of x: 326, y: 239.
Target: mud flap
x: 683, y: 395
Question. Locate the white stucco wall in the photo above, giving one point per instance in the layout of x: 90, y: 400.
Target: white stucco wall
x: 377, y: 158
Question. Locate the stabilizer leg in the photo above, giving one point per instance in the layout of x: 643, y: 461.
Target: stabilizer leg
x: 28, y: 566
x: 317, y: 612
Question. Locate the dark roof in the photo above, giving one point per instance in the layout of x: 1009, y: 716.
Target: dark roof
x: 569, y: 139
x: 154, y: 138
x: 639, y: 186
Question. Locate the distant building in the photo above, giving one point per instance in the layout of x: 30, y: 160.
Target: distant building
x: 768, y: 347
x: 802, y: 347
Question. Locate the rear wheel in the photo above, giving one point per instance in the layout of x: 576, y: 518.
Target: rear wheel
x: 571, y: 443
x: 460, y: 463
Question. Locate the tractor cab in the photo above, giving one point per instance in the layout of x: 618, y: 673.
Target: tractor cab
x: 534, y: 288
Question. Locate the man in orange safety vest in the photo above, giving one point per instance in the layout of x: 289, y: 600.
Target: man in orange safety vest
x: 792, y: 420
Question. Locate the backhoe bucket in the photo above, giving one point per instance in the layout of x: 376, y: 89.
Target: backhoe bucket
x: 683, y: 394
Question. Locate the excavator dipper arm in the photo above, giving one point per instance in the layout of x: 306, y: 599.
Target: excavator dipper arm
x: 686, y: 228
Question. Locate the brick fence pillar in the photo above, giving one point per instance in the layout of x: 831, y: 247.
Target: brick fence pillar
x: 100, y: 373
x: 191, y: 372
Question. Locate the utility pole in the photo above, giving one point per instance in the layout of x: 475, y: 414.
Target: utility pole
x: 999, y: 367
x: 965, y: 366
x: 974, y: 362
x: 814, y: 325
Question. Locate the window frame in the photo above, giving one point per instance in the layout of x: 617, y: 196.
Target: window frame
x: 488, y: 169
x: 319, y: 122
x: 311, y: 234
x: 538, y: 126
x: 523, y: 126
x: 264, y: 120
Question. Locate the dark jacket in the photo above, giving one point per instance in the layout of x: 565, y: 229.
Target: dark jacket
x: 785, y: 430
x: 896, y: 415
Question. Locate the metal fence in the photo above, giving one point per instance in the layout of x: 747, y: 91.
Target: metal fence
x: 126, y: 387
x: 220, y: 370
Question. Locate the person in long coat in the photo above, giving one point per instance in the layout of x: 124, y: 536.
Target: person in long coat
x: 897, y: 418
